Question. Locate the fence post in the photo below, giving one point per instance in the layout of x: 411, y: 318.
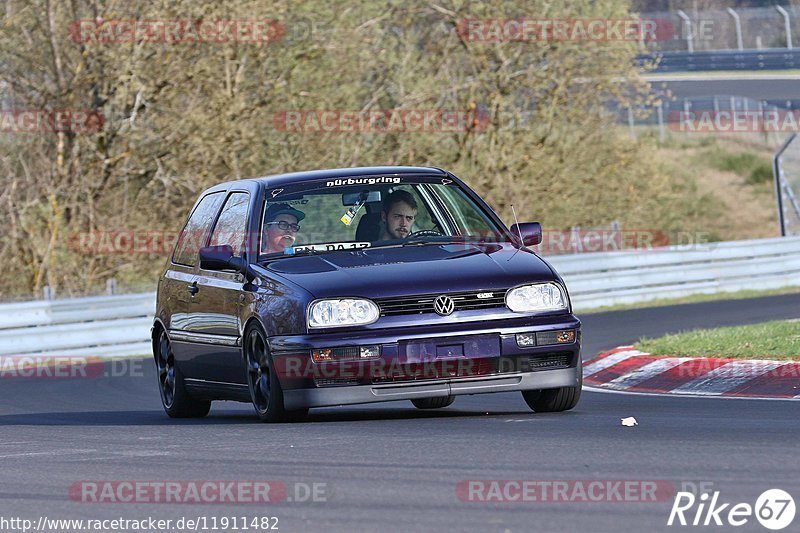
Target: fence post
x: 787, y: 25
x: 687, y: 22
x: 576, y: 239
x: 738, y: 23
x: 777, y: 173
x: 111, y: 286
x: 47, y: 292
x: 631, y: 123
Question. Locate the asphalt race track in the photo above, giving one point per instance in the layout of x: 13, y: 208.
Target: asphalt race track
x: 777, y: 89
x: 389, y: 467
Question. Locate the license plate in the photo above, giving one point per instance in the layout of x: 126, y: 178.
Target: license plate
x: 472, y: 346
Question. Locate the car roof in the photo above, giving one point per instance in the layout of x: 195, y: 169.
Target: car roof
x: 331, y: 173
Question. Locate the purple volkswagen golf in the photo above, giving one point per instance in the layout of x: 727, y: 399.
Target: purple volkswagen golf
x: 359, y: 285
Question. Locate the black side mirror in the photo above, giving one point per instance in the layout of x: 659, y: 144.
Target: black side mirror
x: 216, y: 257
x: 531, y: 233
x: 222, y: 258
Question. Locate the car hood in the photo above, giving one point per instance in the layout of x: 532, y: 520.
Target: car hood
x: 410, y: 270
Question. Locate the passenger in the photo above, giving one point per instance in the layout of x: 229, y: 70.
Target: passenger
x: 281, y: 224
x: 398, y: 215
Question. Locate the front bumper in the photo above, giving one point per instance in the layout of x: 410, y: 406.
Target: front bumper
x: 427, y: 361
x: 354, y: 394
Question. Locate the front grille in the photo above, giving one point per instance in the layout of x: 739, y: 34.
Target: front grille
x: 549, y: 361
x: 420, y: 304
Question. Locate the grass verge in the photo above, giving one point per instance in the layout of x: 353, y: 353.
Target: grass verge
x: 778, y: 339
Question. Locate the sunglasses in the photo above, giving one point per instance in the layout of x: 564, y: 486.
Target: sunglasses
x: 283, y: 225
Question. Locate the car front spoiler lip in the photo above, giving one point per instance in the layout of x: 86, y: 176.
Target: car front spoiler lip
x: 356, y: 394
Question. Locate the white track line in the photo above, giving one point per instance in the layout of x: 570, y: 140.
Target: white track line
x: 724, y: 77
x: 589, y: 388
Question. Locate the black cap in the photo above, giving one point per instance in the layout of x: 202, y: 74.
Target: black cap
x: 282, y: 209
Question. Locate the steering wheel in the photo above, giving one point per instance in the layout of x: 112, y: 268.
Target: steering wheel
x: 425, y: 233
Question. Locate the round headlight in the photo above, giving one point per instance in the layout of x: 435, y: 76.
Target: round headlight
x: 342, y: 312
x: 535, y: 298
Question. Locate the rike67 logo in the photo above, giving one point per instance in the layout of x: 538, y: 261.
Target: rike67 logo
x: 774, y: 509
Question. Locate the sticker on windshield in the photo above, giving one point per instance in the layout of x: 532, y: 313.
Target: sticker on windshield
x: 327, y: 247
x: 362, y: 181
x: 353, y: 210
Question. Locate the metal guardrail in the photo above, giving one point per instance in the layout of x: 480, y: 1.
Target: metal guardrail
x: 98, y: 326
x: 109, y: 326
x: 610, y: 278
x: 767, y: 59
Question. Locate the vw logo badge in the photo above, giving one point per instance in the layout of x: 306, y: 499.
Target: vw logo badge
x: 444, y: 305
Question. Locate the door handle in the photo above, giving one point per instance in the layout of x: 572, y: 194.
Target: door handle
x: 193, y: 288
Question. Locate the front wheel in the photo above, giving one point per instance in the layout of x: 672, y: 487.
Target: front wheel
x: 552, y: 400
x: 176, y: 401
x: 555, y: 400
x: 262, y: 380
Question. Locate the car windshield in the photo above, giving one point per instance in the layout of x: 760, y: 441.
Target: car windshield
x: 368, y: 212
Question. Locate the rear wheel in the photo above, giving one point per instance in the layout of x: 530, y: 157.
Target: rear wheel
x: 176, y: 401
x: 262, y: 380
x: 433, y: 403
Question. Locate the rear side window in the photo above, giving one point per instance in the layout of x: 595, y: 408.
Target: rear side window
x: 194, y: 233
x: 231, y: 226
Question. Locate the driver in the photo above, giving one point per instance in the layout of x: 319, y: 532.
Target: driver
x: 281, y: 224
x: 398, y: 214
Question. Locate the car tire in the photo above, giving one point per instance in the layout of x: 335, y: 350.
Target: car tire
x: 555, y: 400
x: 176, y: 401
x: 265, y: 388
x: 433, y: 403
x: 552, y: 400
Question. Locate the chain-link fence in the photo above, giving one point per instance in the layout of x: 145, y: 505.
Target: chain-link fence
x: 732, y: 116
x: 726, y: 29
